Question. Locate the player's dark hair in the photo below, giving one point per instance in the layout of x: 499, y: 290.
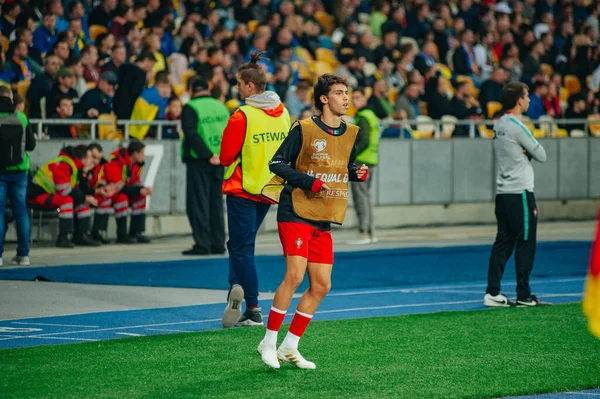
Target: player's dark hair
x: 323, y: 86
x: 95, y: 146
x: 511, y: 93
x: 252, y: 72
x: 80, y: 151
x: 135, y: 146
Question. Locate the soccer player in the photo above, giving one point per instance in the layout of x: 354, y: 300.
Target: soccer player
x: 516, y: 211
x: 316, y: 161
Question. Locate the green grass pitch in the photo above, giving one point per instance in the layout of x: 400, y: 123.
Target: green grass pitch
x: 479, y: 354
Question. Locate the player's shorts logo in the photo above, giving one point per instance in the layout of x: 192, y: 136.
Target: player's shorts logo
x: 299, y: 242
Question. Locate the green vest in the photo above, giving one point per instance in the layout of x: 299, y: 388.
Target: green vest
x: 370, y: 155
x: 212, y: 120
x: 24, y: 166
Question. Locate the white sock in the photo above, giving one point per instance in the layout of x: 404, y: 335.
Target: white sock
x: 291, y: 341
x: 270, y: 337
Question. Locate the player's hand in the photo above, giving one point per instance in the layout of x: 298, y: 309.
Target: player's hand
x: 325, y: 187
x: 92, y: 113
x: 215, y: 160
x: 146, y: 191
x: 360, y: 172
x: 91, y: 200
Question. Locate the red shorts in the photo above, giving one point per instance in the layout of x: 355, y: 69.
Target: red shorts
x: 301, y: 239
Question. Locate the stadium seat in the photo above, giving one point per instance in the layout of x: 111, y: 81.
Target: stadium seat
x: 91, y: 85
x: 485, y: 132
x: 22, y: 87
x: 370, y: 69
x: 572, y: 84
x: 393, y: 94
x: 304, y: 55
x: 322, y: 68
x: 577, y: 133
x: 178, y: 90
x: 186, y: 76
x: 492, y: 108
x: 446, y: 72
x: 326, y: 21
x: 547, y: 125
x: 326, y: 55
x: 96, y: 30
x: 425, y: 127
x: 448, y: 126
x: 538, y: 133
x: 252, y: 25
x: 108, y: 131
x: 593, y: 125
x: 547, y: 69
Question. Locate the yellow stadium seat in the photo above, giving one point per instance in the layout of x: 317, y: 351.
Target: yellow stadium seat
x: 91, y: 85
x: 425, y: 127
x: 594, y: 125
x: 96, y: 30
x: 22, y: 87
x: 446, y: 72
x: 326, y: 21
x: 108, y: 131
x: 368, y: 91
x: 321, y: 68
x: 547, y: 69
x: 326, y: 55
x: 485, y: 132
x: 252, y: 25
x: 493, y: 107
x: 393, y: 94
x: 304, y: 55
x: 572, y: 84
x: 186, y: 76
x: 178, y: 90
x: 448, y: 126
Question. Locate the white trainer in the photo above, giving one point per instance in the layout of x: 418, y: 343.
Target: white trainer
x: 21, y: 261
x: 268, y: 354
x: 497, y: 301
x: 286, y: 354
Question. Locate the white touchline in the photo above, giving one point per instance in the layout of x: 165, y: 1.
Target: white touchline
x: 124, y: 328
x: 168, y: 330
x: 131, y: 334
x: 399, y: 306
x: 156, y: 151
x: 66, y: 338
x: 53, y: 325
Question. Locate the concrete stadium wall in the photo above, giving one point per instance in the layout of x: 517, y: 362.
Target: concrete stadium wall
x: 418, y: 182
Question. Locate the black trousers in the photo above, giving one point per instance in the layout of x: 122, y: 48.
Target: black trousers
x: 204, y: 206
x: 517, y: 228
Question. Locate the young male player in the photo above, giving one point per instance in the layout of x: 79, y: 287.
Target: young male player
x: 316, y: 161
x: 516, y: 211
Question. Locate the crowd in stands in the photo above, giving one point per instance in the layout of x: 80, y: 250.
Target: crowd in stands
x: 132, y: 59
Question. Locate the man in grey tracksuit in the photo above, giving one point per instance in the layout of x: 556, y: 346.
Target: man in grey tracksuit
x: 516, y: 211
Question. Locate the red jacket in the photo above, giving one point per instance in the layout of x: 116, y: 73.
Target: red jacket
x: 61, y: 176
x: 121, y: 169
x: 96, y: 177
x: 231, y: 146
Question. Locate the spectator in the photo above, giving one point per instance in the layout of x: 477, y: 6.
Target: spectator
x: 10, y: 10
x: 45, y: 36
x: 76, y: 30
x: 101, y: 15
x: 77, y: 11
x: 99, y: 100
x: 552, y: 101
x: 41, y: 85
x: 483, y: 55
x: 385, y: 71
x: 306, y: 113
x: 19, y: 103
x: 532, y: 62
x: 408, y: 101
x: 132, y: 80
x: 550, y: 55
x: 417, y: 22
x: 577, y: 110
x: 365, y: 46
x: 174, y: 111
x: 118, y: 57
x: 151, y: 105
x: 34, y: 56
x: 152, y: 44
x: 378, y: 102
x: 298, y: 98
x: 464, y: 107
x: 167, y: 47
x: 389, y: 48
x: 125, y: 171
x: 367, y: 153
x: 64, y: 110
x: 436, y: 95
x: 180, y: 61
x: 61, y: 49
x: 396, y: 21
x: 281, y: 84
x: 89, y: 59
x: 463, y: 59
x: 536, y: 104
x: 426, y: 57
x: 14, y: 168
x: 491, y: 90
x: 123, y: 14
x: 514, y: 66
x: 17, y: 68
x: 81, y: 86
x: 65, y: 80
x: 348, y: 63
x: 441, y: 38
x: 133, y: 44
x: 56, y: 185
x: 104, y: 43
x: 187, y: 30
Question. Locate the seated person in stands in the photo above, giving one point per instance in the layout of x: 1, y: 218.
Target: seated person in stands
x: 19, y: 103
x: 64, y: 110
x: 56, y: 186
x: 99, y: 100
x: 536, y: 100
x: 174, y: 110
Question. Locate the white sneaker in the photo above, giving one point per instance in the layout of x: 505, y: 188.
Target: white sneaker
x: 286, y: 354
x: 363, y: 240
x: 233, y: 311
x: 497, y: 301
x: 20, y: 260
x: 268, y: 354
x: 374, y: 240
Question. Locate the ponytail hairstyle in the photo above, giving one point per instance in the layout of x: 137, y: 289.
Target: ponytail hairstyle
x: 251, y: 71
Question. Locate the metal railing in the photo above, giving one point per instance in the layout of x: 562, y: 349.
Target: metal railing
x: 93, y: 124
